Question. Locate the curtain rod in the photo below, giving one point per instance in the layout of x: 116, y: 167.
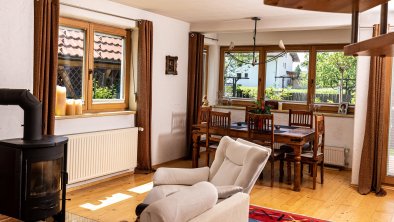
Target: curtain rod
x: 105, y: 13
x: 211, y: 38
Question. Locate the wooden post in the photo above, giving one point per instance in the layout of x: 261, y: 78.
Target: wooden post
x: 354, y: 26
x: 383, y: 18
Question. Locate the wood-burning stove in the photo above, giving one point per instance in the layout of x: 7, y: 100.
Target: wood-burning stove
x: 33, y: 173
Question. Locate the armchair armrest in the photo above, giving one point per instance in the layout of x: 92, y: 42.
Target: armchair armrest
x: 180, y: 176
x: 182, y: 205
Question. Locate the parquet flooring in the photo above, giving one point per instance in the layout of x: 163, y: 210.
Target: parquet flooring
x: 336, y: 200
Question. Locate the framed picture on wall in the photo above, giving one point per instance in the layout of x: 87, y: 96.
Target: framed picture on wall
x: 342, y: 107
x: 171, y: 65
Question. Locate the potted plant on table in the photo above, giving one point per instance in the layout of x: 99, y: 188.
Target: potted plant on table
x: 261, y: 108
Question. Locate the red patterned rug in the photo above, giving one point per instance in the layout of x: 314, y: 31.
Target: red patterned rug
x: 262, y: 214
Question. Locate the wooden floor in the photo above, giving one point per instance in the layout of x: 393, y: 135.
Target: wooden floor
x: 336, y: 200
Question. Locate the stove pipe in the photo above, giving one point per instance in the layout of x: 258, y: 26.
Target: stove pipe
x: 32, y: 110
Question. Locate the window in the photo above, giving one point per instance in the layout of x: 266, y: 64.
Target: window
x: 335, y: 77
x: 240, y: 80
x: 287, y: 77
x: 306, y: 74
x: 93, y: 64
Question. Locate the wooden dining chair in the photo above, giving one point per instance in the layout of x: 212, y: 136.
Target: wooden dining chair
x: 261, y: 131
x: 203, y: 114
x: 302, y: 118
x: 202, y: 119
x: 247, y: 111
x: 218, y: 126
x: 316, y: 156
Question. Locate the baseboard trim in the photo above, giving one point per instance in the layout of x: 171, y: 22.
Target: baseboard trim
x: 98, y: 180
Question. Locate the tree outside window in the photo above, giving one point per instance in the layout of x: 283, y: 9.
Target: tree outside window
x: 335, y: 77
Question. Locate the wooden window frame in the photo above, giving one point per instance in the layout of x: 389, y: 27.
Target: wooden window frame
x: 312, y: 49
x: 386, y: 119
x: 90, y: 28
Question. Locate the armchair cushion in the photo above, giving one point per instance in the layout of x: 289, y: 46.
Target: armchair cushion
x: 228, y: 191
x: 182, y: 205
x: 238, y: 163
x: 253, y: 166
x: 160, y: 192
x: 180, y: 176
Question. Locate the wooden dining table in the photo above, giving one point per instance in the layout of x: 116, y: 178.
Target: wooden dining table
x: 295, y: 137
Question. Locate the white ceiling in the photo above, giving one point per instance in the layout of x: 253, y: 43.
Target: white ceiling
x: 233, y: 15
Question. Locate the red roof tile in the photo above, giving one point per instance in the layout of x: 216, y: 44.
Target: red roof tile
x: 71, y: 43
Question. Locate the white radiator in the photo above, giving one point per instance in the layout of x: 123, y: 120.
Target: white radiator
x: 92, y: 155
x: 336, y: 156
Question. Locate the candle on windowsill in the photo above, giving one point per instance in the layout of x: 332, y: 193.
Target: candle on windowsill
x: 70, y: 107
x: 60, y: 105
x: 78, y: 107
x: 279, y: 105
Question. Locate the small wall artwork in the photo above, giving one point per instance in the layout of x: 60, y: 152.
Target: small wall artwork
x: 171, y: 65
x: 342, y: 108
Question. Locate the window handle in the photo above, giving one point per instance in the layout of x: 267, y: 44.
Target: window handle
x: 90, y: 73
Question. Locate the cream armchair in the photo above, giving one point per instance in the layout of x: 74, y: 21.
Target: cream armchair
x: 234, y: 171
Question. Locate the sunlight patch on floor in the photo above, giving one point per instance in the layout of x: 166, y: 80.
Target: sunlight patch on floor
x: 108, y: 201
x: 142, y: 188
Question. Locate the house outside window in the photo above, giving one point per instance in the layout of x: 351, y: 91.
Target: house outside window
x: 240, y: 79
x: 93, y: 64
x: 287, y: 77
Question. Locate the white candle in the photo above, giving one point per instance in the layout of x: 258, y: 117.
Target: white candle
x: 70, y: 107
x: 78, y: 107
x: 279, y: 105
x: 60, y: 106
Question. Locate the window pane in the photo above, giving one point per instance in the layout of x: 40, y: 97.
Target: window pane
x: 390, y: 156
x: 335, y: 77
x: 287, y: 77
x: 71, y: 53
x: 108, y: 75
x: 240, y: 79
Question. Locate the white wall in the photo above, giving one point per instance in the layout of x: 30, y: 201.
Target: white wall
x: 213, y: 71
x: 16, y: 60
x: 360, y: 115
x: 170, y: 37
x: 288, y: 37
x: 169, y: 92
x: 362, y: 85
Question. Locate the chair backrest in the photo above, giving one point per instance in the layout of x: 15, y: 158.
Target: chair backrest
x: 220, y: 122
x: 238, y: 163
x: 318, y: 142
x: 261, y: 128
x: 247, y: 110
x: 301, y: 118
x: 203, y: 114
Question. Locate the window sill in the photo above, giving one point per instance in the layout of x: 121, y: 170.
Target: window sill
x: 89, y: 115
x: 286, y: 111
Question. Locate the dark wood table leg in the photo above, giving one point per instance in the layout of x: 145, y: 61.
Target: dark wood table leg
x: 297, y: 168
x: 195, y: 137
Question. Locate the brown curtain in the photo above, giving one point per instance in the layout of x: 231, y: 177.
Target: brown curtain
x: 144, y: 95
x: 370, y: 178
x: 46, y: 26
x: 194, y: 85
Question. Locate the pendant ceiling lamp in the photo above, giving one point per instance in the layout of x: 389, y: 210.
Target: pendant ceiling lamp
x: 254, y: 60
